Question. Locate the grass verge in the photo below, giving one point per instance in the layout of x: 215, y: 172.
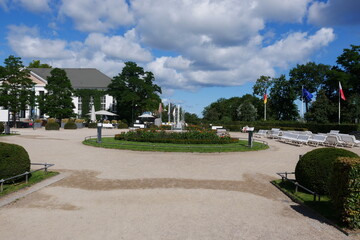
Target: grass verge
x: 35, y: 178
x: 241, y: 146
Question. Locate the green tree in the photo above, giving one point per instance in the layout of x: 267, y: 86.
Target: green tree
x: 263, y: 83
x: 134, y: 91
x: 246, y: 111
x: 38, y: 64
x: 309, y: 76
x: 322, y: 110
x: 281, y: 100
x: 58, y: 99
x: 192, y: 118
x: 16, y: 88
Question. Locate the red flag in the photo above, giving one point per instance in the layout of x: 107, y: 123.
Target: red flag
x: 265, y: 98
x: 341, y: 92
x: 160, y: 108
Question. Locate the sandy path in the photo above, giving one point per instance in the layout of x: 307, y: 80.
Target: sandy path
x: 114, y: 194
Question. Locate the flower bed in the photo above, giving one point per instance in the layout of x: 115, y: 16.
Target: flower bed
x: 190, y: 137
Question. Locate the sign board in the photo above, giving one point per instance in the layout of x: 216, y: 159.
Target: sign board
x: 4, y: 114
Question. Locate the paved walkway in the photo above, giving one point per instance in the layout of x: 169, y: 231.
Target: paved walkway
x: 114, y: 194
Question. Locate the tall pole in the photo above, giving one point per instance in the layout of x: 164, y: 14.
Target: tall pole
x: 302, y: 102
x: 339, y: 107
x: 265, y: 112
x: 178, y: 115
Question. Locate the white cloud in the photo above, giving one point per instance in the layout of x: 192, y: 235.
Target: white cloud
x: 335, y: 12
x: 118, y: 47
x: 97, y: 15
x: 281, y: 10
x: 35, y: 5
x: 3, y: 4
x: 26, y: 43
x: 296, y: 47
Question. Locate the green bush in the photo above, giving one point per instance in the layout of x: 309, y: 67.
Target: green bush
x: 52, y: 126
x: 344, y: 190
x: 70, y: 125
x: 314, y: 169
x: 92, y: 125
x: 122, y: 125
x: 190, y: 137
x: 1, y: 127
x: 14, y: 160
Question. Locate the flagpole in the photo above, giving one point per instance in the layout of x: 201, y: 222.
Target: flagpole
x: 265, y: 112
x: 339, y: 106
x: 302, y: 101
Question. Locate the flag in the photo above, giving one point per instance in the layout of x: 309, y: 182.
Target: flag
x: 306, y: 94
x: 265, y: 98
x: 341, y: 92
x: 160, y: 108
x: 174, y: 112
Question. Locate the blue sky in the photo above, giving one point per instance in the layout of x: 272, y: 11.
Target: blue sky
x: 198, y: 50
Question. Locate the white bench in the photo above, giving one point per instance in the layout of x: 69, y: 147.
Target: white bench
x: 107, y: 125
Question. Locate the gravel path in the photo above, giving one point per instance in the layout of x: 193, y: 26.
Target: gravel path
x: 116, y: 194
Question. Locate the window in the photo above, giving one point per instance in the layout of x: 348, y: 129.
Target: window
x: 103, y: 102
x: 79, y: 105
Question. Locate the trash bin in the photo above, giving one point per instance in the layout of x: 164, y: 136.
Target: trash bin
x: 250, y: 131
x: 250, y: 138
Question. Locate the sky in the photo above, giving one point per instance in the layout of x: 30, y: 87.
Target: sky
x: 198, y: 50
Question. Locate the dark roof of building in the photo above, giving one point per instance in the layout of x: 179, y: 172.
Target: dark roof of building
x: 81, y: 78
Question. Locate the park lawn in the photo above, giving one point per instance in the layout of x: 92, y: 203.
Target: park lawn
x: 35, y: 178
x: 241, y: 146
x: 322, y: 207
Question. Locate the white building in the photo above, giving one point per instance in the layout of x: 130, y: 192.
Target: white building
x: 80, y: 78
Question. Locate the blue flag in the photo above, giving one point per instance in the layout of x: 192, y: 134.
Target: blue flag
x: 306, y: 94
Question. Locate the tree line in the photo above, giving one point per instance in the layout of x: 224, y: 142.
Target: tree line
x: 320, y: 81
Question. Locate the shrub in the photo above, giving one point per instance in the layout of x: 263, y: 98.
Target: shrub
x: 51, y: 120
x: 38, y: 120
x: 14, y: 160
x: 92, y: 125
x: 64, y: 120
x: 2, y: 128
x: 79, y: 120
x: 314, y: 169
x: 52, y: 126
x: 190, y: 137
x: 70, y: 125
x: 345, y: 190
x: 122, y: 125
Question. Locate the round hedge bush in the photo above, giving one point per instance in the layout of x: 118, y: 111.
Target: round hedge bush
x: 14, y: 160
x: 52, y: 126
x: 122, y: 125
x: 92, y: 125
x: 314, y: 169
x: 70, y: 125
x: 1, y: 127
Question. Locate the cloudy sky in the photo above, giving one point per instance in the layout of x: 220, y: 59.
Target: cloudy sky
x: 198, y: 50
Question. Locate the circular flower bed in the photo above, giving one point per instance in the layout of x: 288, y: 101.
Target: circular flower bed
x: 189, y: 137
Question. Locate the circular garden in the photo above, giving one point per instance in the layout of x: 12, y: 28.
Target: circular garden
x: 195, y: 140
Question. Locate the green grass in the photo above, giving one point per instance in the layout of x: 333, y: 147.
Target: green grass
x: 323, y: 207
x: 35, y: 178
x: 241, y: 146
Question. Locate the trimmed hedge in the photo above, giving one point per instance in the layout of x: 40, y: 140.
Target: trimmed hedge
x: 122, y: 125
x: 52, y: 126
x: 190, y: 137
x: 14, y: 160
x: 298, y: 126
x: 70, y: 125
x: 345, y: 190
x: 2, y: 128
x: 92, y: 125
x: 314, y: 169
